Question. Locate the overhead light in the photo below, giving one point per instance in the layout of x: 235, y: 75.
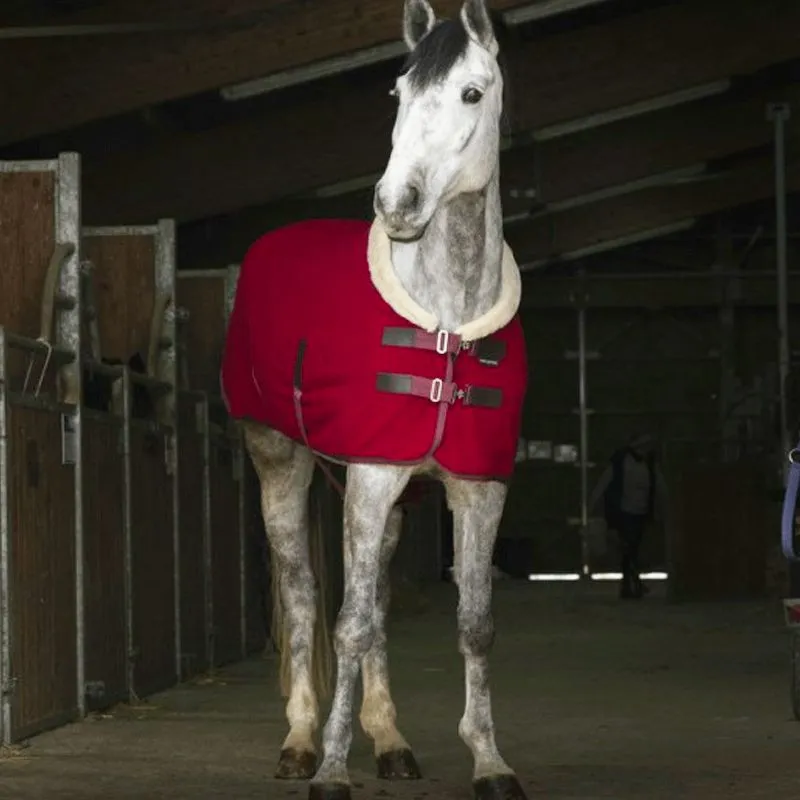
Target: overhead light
x: 553, y: 577
x: 544, y: 9
x: 380, y: 53
x: 612, y: 244
x: 659, y: 103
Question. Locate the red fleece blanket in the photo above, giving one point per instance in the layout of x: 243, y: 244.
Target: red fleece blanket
x: 308, y: 353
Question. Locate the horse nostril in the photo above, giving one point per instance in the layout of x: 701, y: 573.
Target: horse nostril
x: 413, y: 198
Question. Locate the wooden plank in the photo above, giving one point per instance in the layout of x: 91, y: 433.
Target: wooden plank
x: 124, y: 291
x: 227, y: 168
x: 27, y: 238
x: 41, y: 574
x: 548, y: 236
x: 104, y: 559
x: 67, y: 85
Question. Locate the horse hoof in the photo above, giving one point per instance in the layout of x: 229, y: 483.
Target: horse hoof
x: 296, y: 765
x: 499, y: 787
x: 398, y: 765
x: 329, y: 791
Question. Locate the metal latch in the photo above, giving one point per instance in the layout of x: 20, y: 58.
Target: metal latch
x: 69, y: 439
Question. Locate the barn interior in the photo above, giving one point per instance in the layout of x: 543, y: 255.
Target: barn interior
x: 650, y: 176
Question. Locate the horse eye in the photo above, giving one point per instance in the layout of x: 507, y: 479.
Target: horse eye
x: 471, y: 95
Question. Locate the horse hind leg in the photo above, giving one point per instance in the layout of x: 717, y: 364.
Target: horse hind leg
x: 285, y: 471
x: 393, y: 755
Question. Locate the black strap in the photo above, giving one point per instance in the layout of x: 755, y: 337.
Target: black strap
x: 489, y: 351
x: 298, y: 364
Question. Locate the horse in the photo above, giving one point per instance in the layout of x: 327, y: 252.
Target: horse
x: 394, y: 348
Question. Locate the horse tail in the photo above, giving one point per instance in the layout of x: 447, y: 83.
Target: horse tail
x: 322, y: 660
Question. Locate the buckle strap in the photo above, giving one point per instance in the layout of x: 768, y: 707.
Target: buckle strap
x: 436, y: 390
x: 489, y: 351
x: 439, y: 391
x: 441, y: 342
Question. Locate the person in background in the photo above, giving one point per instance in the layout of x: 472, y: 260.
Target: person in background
x: 632, y: 489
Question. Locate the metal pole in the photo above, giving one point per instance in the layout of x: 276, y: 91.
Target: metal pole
x: 584, y: 436
x: 778, y: 114
x: 208, y: 565
x: 127, y: 531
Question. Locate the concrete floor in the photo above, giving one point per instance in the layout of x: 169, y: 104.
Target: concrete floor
x: 593, y: 699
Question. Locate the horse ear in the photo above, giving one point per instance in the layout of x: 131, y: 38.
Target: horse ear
x: 478, y: 24
x: 418, y: 20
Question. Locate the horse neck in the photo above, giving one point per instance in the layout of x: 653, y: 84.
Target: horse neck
x: 454, y: 270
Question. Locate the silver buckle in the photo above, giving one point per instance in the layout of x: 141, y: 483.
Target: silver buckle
x: 437, y: 387
x: 442, y: 342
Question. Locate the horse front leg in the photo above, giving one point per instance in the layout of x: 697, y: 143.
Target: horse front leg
x: 371, y: 493
x: 393, y: 755
x: 477, y: 508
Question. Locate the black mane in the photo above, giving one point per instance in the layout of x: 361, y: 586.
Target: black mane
x: 432, y: 59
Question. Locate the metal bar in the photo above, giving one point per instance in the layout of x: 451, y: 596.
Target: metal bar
x: 208, y: 565
x: 584, y: 438
x: 778, y: 114
x: 59, y: 354
x: 128, y: 529
x: 44, y: 165
x: 5, y: 543
x: 120, y: 230
x: 239, y: 455
x: 176, y: 547
x: 188, y: 274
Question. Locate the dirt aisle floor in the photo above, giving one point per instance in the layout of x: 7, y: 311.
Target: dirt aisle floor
x: 593, y: 699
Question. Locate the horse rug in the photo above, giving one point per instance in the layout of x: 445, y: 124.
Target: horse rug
x: 325, y: 346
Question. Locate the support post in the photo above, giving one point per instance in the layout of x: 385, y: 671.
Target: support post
x: 778, y: 114
x: 69, y: 336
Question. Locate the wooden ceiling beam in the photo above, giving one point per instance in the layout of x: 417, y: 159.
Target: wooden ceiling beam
x: 562, y: 171
x: 552, y: 236
x: 55, y: 84
x: 344, y: 132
